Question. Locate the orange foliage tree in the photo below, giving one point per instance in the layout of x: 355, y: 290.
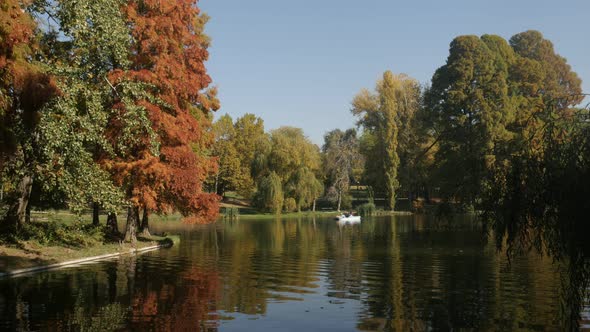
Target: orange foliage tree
x: 24, y: 90
x: 168, y: 52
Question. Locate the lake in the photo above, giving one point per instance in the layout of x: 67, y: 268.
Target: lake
x: 385, y: 274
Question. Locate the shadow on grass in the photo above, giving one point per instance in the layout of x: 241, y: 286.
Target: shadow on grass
x: 44, y: 243
x: 15, y: 261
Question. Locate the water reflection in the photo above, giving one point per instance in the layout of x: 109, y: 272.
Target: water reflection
x: 386, y: 274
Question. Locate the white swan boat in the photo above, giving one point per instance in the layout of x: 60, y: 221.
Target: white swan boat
x: 348, y: 218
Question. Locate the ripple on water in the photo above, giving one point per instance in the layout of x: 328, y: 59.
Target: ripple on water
x: 385, y: 274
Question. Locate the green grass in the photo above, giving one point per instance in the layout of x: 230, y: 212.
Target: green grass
x: 301, y: 214
x: 31, y: 253
x: 59, y: 236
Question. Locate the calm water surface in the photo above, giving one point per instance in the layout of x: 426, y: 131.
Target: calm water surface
x: 385, y: 274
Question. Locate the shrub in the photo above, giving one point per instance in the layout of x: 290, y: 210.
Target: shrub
x: 367, y: 209
x: 346, y: 203
x: 52, y: 233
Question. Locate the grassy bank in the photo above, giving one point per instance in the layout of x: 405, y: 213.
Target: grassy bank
x: 253, y: 214
x: 58, y: 237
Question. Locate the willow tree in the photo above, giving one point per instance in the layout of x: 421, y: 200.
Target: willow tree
x: 540, y: 197
x: 304, y: 187
x: 294, y: 160
x: 269, y: 195
x: 383, y: 115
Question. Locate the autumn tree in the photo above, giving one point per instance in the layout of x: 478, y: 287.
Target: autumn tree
x: 24, y: 90
x: 540, y: 190
x: 168, y: 50
x: 384, y: 115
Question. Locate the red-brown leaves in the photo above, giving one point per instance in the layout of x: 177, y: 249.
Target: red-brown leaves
x: 35, y: 89
x: 16, y: 30
x: 191, y: 304
x: 169, y: 52
x: 22, y: 85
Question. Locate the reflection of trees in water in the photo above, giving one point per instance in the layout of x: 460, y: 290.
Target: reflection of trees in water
x: 188, y: 305
x: 405, y: 273
x: 345, y: 255
x: 271, y: 260
x: 61, y: 300
x: 419, y: 277
x: 111, y: 296
x: 107, y: 318
x: 543, y: 200
x: 558, y: 229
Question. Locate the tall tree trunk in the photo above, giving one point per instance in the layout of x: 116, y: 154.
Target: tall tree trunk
x: 313, y: 209
x: 95, y: 211
x: 145, y: 227
x: 339, y: 199
x: 112, y: 224
x: 131, y: 227
x: 216, y: 182
x: 17, y: 213
x: 28, y: 214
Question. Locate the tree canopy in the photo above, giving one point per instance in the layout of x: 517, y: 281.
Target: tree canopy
x: 385, y: 117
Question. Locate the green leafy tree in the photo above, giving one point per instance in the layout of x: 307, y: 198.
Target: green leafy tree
x: 383, y: 115
x: 470, y: 108
x: 289, y: 155
x: 249, y: 137
x: 92, y: 40
x: 269, y: 196
x: 229, y: 172
x: 304, y: 188
x: 25, y: 88
x: 341, y: 156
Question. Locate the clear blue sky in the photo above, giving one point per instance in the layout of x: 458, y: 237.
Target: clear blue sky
x: 300, y: 63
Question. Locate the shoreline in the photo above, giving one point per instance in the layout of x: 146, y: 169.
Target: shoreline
x: 309, y: 214
x: 42, y: 268
x: 36, y: 263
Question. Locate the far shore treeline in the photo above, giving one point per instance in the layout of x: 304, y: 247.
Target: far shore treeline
x: 107, y: 104
x: 495, y: 131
